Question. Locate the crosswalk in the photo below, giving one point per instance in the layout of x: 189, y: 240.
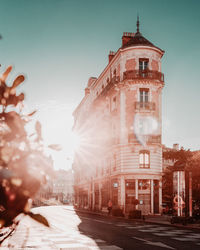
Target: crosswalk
x: 31, y: 236
x: 167, y: 232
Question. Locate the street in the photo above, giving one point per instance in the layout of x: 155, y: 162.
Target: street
x: 77, y: 230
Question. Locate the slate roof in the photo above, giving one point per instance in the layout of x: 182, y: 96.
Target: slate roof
x: 139, y: 40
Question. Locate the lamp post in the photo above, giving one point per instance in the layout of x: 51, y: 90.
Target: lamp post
x: 182, y: 190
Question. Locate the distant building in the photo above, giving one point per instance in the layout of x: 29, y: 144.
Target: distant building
x: 119, y: 121
x: 63, y: 186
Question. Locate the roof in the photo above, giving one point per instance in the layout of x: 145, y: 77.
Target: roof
x: 139, y: 40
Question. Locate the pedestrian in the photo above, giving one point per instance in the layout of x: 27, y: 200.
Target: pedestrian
x: 109, y: 207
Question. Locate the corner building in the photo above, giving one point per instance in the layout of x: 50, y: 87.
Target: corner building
x: 119, y: 123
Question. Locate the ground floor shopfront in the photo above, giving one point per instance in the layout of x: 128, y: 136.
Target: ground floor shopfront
x: 124, y: 191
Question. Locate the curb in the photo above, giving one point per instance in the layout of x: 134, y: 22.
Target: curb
x: 139, y: 220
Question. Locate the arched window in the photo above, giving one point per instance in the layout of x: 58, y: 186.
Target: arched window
x: 144, y: 159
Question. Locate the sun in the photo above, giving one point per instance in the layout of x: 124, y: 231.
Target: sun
x: 75, y: 141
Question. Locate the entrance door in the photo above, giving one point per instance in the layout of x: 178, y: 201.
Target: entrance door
x: 130, y: 195
x: 156, y: 196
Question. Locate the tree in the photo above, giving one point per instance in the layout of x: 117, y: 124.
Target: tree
x: 191, y: 161
x: 21, y: 156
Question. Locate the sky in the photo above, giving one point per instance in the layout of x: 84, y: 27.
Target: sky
x: 59, y: 44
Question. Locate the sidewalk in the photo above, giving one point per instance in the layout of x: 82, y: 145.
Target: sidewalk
x: 154, y: 219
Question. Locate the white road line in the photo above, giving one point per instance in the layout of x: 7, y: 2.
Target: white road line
x: 159, y: 244
x: 121, y: 225
x: 185, y: 239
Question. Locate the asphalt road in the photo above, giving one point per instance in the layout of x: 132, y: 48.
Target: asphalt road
x: 75, y: 230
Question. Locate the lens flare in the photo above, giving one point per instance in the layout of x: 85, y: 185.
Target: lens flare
x: 145, y: 126
x: 75, y: 142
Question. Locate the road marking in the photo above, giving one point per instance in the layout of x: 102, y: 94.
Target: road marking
x: 141, y: 227
x: 122, y: 225
x: 112, y: 247
x: 167, y: 234
x: 193, y: 235
x: 71, y: 246
x: 185, y: 239
x: 101, y: 221
x: 159, y: 244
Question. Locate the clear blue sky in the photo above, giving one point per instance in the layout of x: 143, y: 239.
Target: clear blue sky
x: 59, y: 44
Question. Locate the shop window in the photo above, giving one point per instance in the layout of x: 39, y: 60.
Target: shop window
x: 130, y: 185
x: 144, y: 159
x: 143, y: 184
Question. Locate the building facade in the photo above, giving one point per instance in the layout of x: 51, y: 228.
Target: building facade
x: 119, y: 124
x: 63, y: 186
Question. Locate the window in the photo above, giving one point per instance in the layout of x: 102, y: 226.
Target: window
x: 143, y: 64
x: 144, y: 95
x: 114, y: 103
x: 114, y: 162
x: 102, y: 170
x: 144, y: 160
x: 144, y: 184
x: 96, y: 171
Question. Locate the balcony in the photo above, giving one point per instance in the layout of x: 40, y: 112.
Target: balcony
x: 150, y: 139
x: 154, y: 139
x: 143, y: 74
x: 110, y: 84
x: 145, y: 106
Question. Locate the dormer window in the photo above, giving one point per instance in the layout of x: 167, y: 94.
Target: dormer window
x: 143, y: 64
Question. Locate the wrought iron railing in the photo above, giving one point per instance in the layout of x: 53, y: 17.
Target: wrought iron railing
x: 146, y: 138
x: 154, y: 139
x: 143, y: 74
x: 145, y: 106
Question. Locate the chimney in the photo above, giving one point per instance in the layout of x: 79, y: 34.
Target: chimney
x: 176, y: 146
x: 110, y: 56
x: 126, y: 37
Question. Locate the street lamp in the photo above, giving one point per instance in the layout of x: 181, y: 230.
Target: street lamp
x: 182, y: 192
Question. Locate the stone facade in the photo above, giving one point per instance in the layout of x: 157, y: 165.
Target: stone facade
x: 119, y: 123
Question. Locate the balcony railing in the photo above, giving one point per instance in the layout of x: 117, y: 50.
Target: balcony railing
x: 154, y: 139
x: 145, y: 106
x: 143, y: 74
x: 147, y: 138
x: 109, y: 85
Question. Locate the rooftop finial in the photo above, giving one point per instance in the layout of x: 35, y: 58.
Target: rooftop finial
x: 138, y: 23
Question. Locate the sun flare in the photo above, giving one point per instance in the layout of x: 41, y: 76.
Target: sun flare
x: 75, y: 141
